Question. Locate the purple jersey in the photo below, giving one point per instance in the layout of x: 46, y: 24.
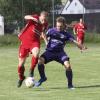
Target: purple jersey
x: 57, y: 39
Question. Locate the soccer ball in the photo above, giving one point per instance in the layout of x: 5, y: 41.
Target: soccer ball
x: 29, y: 82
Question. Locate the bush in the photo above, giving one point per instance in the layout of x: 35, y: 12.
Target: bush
x: 92, y: 38
x: 12, y: 40
x: 7, y: 40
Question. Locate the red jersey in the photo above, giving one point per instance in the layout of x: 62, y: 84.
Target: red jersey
x: 32, y: 31
x: 80, y: 29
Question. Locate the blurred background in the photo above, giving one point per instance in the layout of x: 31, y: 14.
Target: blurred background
x: 12, y: 14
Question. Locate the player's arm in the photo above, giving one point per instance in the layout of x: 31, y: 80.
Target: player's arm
x: 43, y: 35
x: 72, y: 39
x: 30, y: 17
x: 47, y: 35
x: 80, y: 46
x: 74, y: 31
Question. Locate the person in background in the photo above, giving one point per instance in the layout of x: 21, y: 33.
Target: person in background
x: 79, y: 31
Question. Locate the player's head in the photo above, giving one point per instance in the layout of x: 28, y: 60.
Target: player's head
x: 81, y: 20
x: 43, y: 16
x: 60, y: 23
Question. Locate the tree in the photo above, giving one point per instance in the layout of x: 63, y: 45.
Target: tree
x: 13, y: 10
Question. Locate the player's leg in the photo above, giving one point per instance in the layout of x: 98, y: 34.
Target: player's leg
x: 80, y: 40
x: 41, y: 67
x: 34, y: 61
x: 22, y: 57
x: 21, y: 70
x: 44, y: 59
x: 64, y: 59
x: 69, y: 73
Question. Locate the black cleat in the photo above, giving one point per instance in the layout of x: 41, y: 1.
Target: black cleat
x: 37, y: 84
x: 71, y: 87
x: 20, y: 82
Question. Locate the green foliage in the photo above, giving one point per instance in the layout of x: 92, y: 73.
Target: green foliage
x: 9, y: 40
x: 16, y: 9
x: 10, y: 9
x: 92, y: 37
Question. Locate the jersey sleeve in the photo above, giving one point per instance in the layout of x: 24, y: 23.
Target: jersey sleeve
x: 70, y: 37
x: 36, y: 18
x: 48, y: 32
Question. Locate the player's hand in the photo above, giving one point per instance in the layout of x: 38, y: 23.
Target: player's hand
x: 74, y: 33
x: 82, y: 47
x: 35, y: 20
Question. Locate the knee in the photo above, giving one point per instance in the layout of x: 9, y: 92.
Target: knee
x: 67, y: 66
x: 35, y: 52
x: 41, y: 61
x: 21, y: 62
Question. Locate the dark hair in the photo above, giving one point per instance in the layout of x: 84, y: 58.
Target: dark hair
x: 61, y: 20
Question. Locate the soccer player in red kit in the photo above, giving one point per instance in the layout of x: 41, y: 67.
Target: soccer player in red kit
x: 79, y: 30
x: 30, y: 42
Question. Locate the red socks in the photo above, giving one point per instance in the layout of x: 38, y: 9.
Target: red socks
x: 21, y: 70
x: 34, y: 61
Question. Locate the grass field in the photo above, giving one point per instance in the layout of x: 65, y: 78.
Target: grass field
x: 86, y: 68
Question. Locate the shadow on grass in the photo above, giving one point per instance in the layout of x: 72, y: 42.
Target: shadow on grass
x: 49, y: 88
x: 89, y: 86
x: 64, y: 88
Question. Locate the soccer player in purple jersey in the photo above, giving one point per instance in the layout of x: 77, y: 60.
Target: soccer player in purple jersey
x: 57, y: 38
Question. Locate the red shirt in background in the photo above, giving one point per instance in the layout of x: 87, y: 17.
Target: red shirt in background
x: 80, y: 31
x: 80, y: 28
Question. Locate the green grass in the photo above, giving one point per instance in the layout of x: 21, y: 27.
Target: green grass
x: 86, y: 68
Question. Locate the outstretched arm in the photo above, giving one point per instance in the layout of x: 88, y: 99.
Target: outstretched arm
x: 30, y: 17
x: 80, y: 46
x: 74, y: 31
